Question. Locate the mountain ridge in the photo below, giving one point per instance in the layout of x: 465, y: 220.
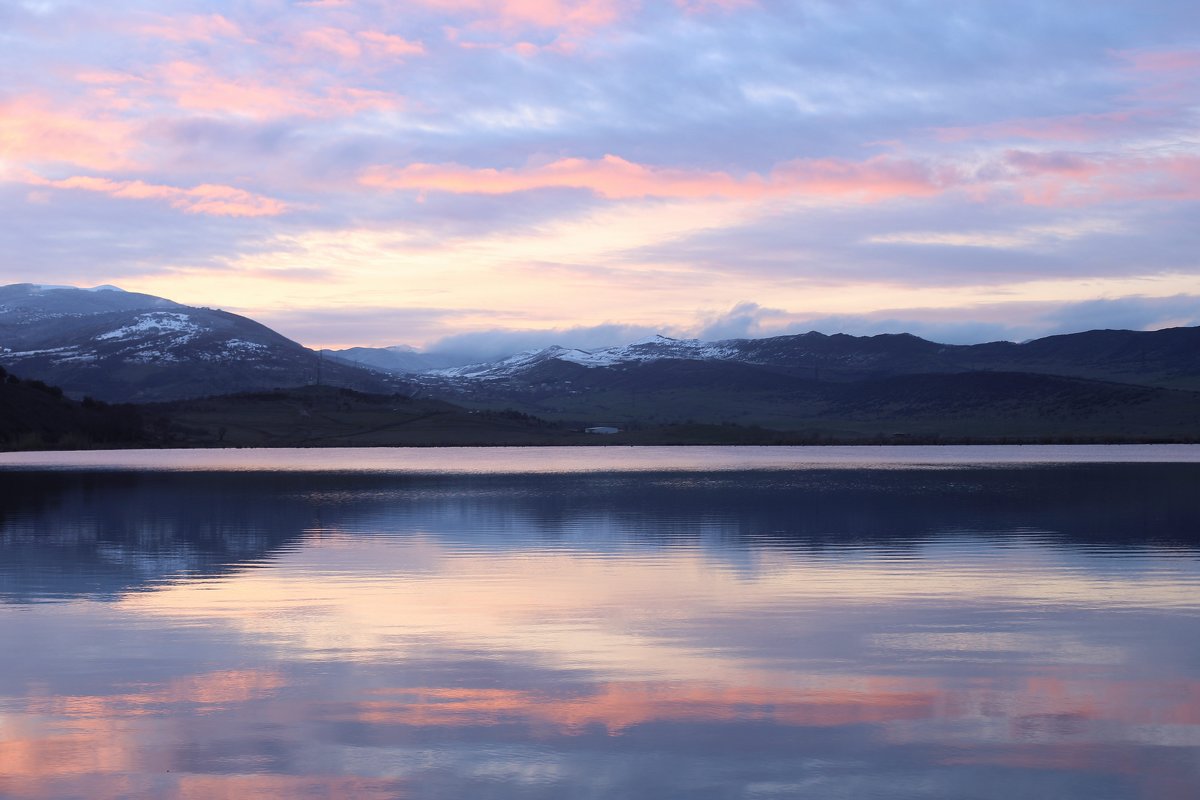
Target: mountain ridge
x: 124, y: 346
x: 121, y: 346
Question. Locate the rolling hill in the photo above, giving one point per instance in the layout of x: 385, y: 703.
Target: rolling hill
x: 123, y: 346
x: 127, y: 347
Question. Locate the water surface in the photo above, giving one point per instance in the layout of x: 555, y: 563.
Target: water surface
x: 601, y: 622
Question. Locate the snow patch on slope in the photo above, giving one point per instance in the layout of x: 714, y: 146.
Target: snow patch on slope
x: 653, y: 348
x: 499, y: 369
x: 159, y: 322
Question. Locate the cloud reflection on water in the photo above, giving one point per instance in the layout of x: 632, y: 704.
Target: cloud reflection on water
x: 849, y: 635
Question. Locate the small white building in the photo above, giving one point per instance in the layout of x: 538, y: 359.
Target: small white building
x: 604, y: 429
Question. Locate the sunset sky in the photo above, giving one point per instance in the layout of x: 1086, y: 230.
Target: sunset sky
x: 505, y: 174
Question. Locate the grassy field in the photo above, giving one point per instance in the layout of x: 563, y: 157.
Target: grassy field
x: 993, y: 409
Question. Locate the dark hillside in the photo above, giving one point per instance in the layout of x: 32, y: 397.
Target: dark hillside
x: 34, y: 415
x: 1168, y: 358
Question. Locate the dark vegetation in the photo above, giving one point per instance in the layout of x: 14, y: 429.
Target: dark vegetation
x: 936, y: 409
x: 325, y: 416
x: 35, y: 416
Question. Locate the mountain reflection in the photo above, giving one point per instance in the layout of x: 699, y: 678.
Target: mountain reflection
x: 64, y: 533
x: 967, y: 633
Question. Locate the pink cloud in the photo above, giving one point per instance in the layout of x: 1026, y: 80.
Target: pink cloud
x: 559, y: 46
x: 701, y: 6
x: 1170, y: 78
x: 615, y: 178
x: 351, y: 100
x: 33, y: 130
x: 1164, y: 61
x: 1070, y: 179
x: 1027, y: 163
x: 1035, y: 178
x: 194, y: 28
x: 105, y: 77
x: 389, y: 45
x: 208, y: 198
x: 574, y: 15
x: 1159, y: 81
x: 332, y: 40
x: 1067, y: 128
x: 195, y: 87
x: 347, y: 45
x: 876, y: 178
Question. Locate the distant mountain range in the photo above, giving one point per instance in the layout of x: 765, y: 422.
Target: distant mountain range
x: 1124, y: 383
x: 127, y: 347
x: 1168, y: 358
x: 121, y: 346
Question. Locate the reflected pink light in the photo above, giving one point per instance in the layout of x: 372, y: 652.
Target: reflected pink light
x: 287, y: 787
x: 866, y: 700
x: 618, y: 706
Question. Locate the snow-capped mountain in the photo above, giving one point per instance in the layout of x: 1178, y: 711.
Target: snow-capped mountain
x: 775, y: 379
x: 654, y: 348
x: 1170, y: 358
x: 125, y: 346
x: 121, y: 346
x: 838, y: 357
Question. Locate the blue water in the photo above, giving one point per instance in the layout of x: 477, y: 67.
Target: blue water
x: 601, y: 623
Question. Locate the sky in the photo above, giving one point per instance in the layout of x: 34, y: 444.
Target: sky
x: 507, y: 174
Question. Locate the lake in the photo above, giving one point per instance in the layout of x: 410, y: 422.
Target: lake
x: 604, y: 622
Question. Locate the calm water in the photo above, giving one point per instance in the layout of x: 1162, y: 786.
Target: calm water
x: 601, y: 623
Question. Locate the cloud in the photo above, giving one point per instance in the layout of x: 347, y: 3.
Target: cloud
x: 655, y: 158
x: 973, y: 324
x: 940, y: 241
x: 361, y: 326
x: 1064, y: 178
x: 1001, y: 321
x: 615, y: 178
x: 386, y: 44
x: 120, y: 246
x: 331, y: 40
x: 490, y: 345
x: 1137, y: 313
x: 572, y: 15
x: 1038, y: 178
x: 34, y: 129
x: 192, y: 28
x: 1169, y: 61
x: 1074, y: 128
x: 354, y: 45
x: 702, y: 6
x: 227, y: 201
x: 194, y: 86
